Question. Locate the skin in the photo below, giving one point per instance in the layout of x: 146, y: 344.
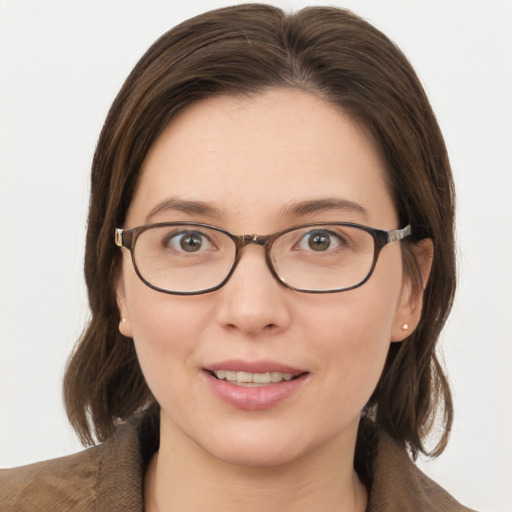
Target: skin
x: 251, y: 158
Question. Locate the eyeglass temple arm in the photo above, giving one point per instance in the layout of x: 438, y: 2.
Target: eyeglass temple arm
x: 398, y: 234
x: 118, y: 237
x: 124, y: 238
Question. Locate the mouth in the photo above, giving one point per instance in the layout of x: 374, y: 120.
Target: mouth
x: 248, y: 379
x: 254, y: 385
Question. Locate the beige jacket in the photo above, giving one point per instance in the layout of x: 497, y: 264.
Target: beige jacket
x: 109, y: 478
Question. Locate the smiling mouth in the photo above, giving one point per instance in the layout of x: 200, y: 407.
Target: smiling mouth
x: 253, y: 379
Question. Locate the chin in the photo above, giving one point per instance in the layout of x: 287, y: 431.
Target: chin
x: 256, y: 455
x: 262, y: 445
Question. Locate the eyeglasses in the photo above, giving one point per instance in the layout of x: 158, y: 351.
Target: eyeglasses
x: 186, y: 258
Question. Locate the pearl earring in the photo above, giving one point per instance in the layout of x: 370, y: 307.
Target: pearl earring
x: 405, y: 327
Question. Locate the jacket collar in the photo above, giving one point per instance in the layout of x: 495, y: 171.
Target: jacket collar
x: 399, y: 485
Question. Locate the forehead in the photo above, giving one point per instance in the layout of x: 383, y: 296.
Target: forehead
x: 253, y: 156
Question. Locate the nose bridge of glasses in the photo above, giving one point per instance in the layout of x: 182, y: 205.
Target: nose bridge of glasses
x: 244, y: 240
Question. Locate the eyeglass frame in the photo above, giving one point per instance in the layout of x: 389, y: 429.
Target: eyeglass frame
x: 127, y: 238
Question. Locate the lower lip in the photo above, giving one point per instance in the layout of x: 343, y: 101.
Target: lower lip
x: 254, y: 398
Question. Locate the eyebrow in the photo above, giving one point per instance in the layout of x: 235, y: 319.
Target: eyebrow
x: 300, y: 209
x: 190, y: 207
x: 305, y: 208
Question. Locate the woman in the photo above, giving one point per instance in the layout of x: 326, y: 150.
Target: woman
x: 263, y: 329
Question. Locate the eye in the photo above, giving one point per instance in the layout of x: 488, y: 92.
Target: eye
x: 320, y: 240
x: 187, y: 241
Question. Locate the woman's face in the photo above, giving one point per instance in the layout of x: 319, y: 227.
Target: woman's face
x: 260, y: 165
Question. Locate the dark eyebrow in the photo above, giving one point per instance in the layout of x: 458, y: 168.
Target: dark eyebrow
x: 182, y: 205
x: 305, y: 208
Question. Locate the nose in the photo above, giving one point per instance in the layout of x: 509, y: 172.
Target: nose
x: 252, y: 301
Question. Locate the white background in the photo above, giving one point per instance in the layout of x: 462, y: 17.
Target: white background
x: 61, y: 64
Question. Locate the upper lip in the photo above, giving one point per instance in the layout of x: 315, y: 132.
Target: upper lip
x: 238, y: 365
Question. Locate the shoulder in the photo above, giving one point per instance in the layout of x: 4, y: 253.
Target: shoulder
x: 399, y: 485
x: 66, y: 483
x: 105, y: 478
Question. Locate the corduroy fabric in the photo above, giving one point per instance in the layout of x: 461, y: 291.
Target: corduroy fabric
x: 105, y: 478
x: 110, y: 478
x: 399, y: 486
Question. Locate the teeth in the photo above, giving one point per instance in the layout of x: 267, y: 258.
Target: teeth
x: 261, y: 378
x: 246, y: 378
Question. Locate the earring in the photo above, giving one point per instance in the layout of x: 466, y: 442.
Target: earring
x: 123, y: 319
x: 405, y: 327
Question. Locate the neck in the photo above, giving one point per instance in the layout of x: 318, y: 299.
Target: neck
x: 181, y: 476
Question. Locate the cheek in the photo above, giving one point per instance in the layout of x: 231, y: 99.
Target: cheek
x: 165, y: 330
x: 361, y: 319
x: 355, y: 337
x: 164, y: 324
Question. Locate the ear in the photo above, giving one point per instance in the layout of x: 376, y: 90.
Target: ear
x: 408, y: 313
x: 125, y: 327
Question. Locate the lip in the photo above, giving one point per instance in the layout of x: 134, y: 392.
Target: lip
x: 254, y: 398
x: 239, y: 365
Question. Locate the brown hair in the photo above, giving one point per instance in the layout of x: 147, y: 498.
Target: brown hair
x: 245, y: 49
